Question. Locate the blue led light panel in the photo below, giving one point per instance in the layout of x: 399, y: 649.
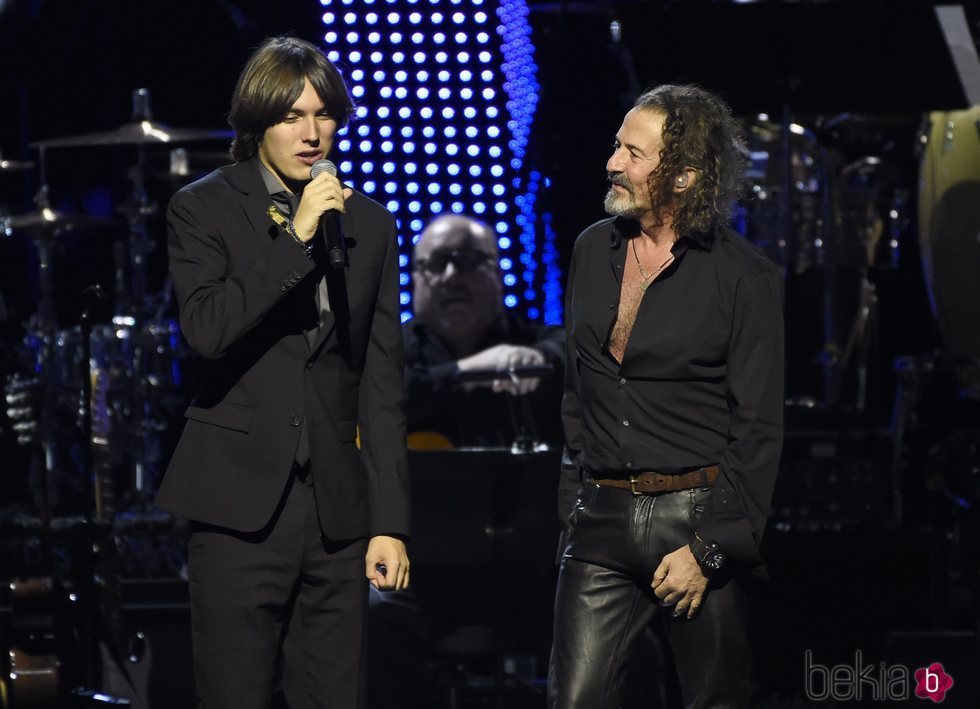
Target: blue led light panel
x: 446, y: 93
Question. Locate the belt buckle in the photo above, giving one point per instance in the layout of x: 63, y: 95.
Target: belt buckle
x: 633, y: 489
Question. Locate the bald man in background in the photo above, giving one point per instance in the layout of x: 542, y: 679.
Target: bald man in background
x: 461, y: 326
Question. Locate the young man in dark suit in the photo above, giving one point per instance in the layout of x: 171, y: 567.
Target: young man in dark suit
x: 291, y: 465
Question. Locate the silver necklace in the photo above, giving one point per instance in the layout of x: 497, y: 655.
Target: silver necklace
x: 647, y: 280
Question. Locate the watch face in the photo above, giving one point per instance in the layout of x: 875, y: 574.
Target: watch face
x: 708, y: 554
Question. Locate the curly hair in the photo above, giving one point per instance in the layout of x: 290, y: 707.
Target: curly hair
x: 270, y: 83
x: 699, y: 132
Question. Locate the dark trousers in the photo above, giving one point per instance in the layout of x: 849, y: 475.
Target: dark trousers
x: 246, y: 588
x: 604, y: 602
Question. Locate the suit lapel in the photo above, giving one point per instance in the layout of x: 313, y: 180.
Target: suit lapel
x: 245, y: 178
x: 254, y: 202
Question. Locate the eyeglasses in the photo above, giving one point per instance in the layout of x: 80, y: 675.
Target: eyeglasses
x: 465, y: 260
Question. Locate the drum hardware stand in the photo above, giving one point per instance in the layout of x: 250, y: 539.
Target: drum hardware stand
x: 898, y: 222
x: 137, y: 211
x: 100, y: 574
x: 861, y: 338
x: 794, y: 253
x: 828, y: 228
x: 139, y: 247
x: 45, y: 319
x: 913, y: 373
x: 88, y: 629
x: 860, y: 331
x: 42, y: 329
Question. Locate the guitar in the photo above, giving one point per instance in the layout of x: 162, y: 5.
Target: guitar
x: 36, y: 675
x: 38, y: 668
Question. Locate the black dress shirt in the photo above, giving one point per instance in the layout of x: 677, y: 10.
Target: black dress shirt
x: 436, y: 400
x: 701, y: 380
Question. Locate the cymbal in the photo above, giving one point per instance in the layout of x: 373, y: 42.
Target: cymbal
x: 14, y: 165
x: 194, y: 165
x: 48, y: 219
x: 136, y: 133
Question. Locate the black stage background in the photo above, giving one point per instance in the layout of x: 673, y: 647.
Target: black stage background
x: 873, y: 537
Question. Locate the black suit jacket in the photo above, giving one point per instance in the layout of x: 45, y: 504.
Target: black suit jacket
x: 246, y: 294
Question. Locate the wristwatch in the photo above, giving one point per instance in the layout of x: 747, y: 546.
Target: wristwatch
x: 709, y: 555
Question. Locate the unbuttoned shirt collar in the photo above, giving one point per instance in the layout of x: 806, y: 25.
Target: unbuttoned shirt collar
x: 284, y: 199
x: 626, y: 228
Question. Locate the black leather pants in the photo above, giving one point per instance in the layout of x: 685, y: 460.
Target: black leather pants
x: 604, y: 601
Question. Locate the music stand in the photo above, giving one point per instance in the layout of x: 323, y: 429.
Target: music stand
x: 487, y: 510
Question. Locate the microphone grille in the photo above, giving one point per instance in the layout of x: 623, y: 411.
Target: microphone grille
x: 321, y: 166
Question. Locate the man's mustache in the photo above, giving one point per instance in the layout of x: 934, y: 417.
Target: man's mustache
x: 455, y: 292
x: 618, y: 178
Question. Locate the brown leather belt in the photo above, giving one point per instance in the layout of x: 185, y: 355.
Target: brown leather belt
x: 653, y: 483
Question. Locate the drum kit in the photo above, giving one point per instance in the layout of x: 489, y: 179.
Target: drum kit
x: 124, y: 378
x: 828, y: 218
x: 786, y: 186
x: 837, y: 219
x: 93, y: 403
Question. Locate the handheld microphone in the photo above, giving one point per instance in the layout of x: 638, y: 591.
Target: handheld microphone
x: 330, y: 232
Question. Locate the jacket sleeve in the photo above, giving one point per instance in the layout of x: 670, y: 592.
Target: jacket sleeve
x: 571, y: 474
x: 219, y: 304
x: 736, y: 511
x: 381, y: 415
x: 426, y: 386
x: 550, y: 342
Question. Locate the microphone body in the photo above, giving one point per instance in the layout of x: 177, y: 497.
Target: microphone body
x: 330, y: 233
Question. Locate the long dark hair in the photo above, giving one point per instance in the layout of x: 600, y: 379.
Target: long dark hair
x: 270, y: 83
x: 700, y: 132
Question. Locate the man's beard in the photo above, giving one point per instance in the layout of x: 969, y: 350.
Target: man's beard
x: 621, y: 204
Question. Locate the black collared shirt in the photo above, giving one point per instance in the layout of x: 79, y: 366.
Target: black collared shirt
x: 701, y: 380
x: 283, y: 198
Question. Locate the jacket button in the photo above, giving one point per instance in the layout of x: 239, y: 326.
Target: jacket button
x: 294, y: 420
x: 309, y: 365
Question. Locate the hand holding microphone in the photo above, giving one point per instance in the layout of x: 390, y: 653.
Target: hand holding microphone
x: 320, y: 208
